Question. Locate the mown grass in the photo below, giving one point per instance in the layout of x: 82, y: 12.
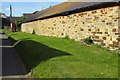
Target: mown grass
x: 52, y: 57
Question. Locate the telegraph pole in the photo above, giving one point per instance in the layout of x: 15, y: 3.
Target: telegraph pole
x: 12, y: 23
x: 10, y: 13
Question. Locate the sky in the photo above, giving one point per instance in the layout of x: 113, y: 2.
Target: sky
x: 18, y: 8
x: 29, y: 6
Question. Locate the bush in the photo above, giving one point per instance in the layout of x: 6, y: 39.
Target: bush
x: 66, y: 37
x: 19, y: 22
x: 33, y: 32
x: 87, y: 41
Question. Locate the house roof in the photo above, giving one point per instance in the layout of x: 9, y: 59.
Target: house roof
x: 65, y: 7
x: 27, y: 14
x: 13, y: 19
x: 49, y: 11
x: 2, y: 15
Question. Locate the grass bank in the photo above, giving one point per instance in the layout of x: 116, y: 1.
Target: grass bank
x: 52, y: 57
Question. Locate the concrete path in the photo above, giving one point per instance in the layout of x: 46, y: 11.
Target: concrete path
x: 11, y: 65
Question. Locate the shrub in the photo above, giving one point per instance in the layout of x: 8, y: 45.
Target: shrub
x: 87, y: 41
x: 33, y: 32
x: 66, y: 37
x: 19, y: 22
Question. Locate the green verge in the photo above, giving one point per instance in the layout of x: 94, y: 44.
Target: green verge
x: 52, y: 57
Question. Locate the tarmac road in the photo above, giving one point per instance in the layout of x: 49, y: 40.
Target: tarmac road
x: 11, y: 65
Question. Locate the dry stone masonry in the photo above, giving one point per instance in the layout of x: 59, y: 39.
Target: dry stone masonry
x: 101, y: 25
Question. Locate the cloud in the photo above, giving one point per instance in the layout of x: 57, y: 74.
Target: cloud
x: 7, y: 9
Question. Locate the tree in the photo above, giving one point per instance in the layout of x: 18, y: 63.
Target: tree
x: 19, y: 22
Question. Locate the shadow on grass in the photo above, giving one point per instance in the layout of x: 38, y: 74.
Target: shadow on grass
x: 33, y: 53
x: 12, y: 40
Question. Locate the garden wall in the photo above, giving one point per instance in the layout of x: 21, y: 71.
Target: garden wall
x: 101, y: 25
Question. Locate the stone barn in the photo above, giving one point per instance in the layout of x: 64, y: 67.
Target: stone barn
x: 79, y: 20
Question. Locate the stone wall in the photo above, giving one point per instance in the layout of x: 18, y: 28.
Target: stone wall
x: 101, y: 25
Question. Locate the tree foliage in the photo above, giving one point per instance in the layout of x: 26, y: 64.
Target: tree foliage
x: 19, y: 22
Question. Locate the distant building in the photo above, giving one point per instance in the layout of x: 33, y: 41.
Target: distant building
x: 27, y: 14
x: 5, y: 20
x: 35, y: 12
x: 2, y: 15
x: 14, y: 19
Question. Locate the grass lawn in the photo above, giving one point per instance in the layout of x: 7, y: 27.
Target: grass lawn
x: 52, y: 57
